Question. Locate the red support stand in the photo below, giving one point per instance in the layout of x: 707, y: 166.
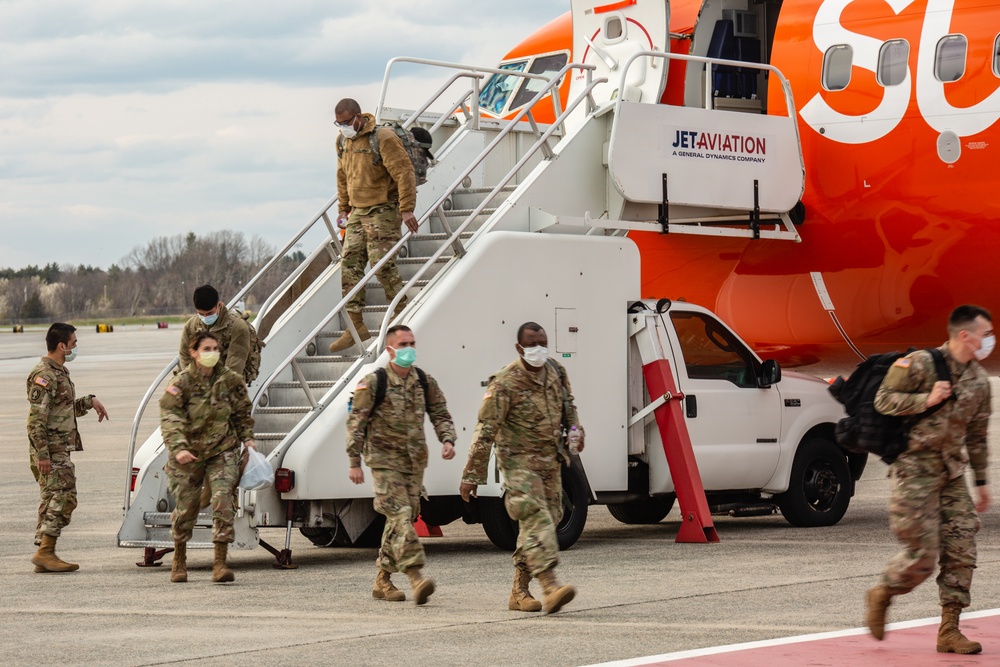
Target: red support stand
x: 425, y: 529
x: 696, y: 523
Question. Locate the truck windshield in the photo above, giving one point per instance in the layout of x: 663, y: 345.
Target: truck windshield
x: 711, y: 352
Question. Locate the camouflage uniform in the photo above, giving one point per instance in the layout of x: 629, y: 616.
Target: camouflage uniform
x: 233, y: 333
x: 209, y: 417
x: 522, y: 415
x: 930, y: 510
x: 393, y: 445
x: 52, y: 435
x: 375, y: 195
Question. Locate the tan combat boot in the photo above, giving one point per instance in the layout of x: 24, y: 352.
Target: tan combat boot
x: 950, y: 639
x: 178, y: 568
x: 385, y: 590
x: 346, y: 339
x: 878, y: 600
x: 221, y: 573
x: 520, y: 596
x: 422, y: 586
x: 46, y: 558
x: 554, y: 596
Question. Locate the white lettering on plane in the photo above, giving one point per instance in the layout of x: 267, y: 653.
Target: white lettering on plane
x: 934, y: 107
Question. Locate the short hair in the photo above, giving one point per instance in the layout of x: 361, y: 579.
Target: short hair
x: 58, y: 333
x: 396, y: 328
x: 200, y: 336
x: 347, y: 105
x: 205, y: 297
x: 963, y: 317
x: 527, y: 326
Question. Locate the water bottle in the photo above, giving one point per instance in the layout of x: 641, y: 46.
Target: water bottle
x: 573, y: 440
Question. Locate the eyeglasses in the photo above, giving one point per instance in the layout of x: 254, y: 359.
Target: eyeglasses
x: 346, y: 123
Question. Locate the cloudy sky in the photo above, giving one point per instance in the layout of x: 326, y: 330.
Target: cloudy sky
x: 124, y: 120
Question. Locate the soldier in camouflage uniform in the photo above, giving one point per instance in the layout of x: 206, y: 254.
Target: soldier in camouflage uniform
x: 930, y: 509
x: 522, y: 415
x: 392, y: 443
x: 52, y: 435
x: 373, y: 199
x: 204, y: 416
x: 231, y: 330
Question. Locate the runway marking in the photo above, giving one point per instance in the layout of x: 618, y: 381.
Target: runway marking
x: 912, y: 641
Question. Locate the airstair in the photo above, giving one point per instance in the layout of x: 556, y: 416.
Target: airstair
x: 605, y: 165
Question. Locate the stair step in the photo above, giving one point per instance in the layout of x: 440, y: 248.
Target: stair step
x: 466, y: 212
x: 483, y: 191
x: 375, y: 284
x: 332, y: 358
x: 165, y: 544
x: 423, y: 260
x: 313, y: 384
x: 270, y: 437
x: 440, y: 236
x: 163, y: 519
x: 283, y: 410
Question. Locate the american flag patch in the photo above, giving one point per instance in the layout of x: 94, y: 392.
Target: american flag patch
x: 173, y: 390
x: 488, y: 394
x: 42, y: 382
x: 362, y: 385
x: 902, y: 363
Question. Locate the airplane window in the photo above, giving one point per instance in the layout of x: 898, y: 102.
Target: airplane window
x: 613, y: 28
x: 949, y: 58
x: 544, y: 65
x: 493, y: 96
x: 892, y: 59
x: 837, y: 63
x: 996, y: 56
x: 711, y: 352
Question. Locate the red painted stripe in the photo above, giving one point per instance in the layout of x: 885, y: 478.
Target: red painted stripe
x: 603, y: 9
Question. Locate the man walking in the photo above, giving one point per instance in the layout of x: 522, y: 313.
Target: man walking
x: 52, y: 435
x: 375, y: 191
x: 231, y: 330
x: 930, y: 509
x: 522, y: 414
x: 386, y: 426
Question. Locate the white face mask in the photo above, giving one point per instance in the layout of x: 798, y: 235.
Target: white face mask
x: 535, y: 356
x: 986, y: 347
x: 208, y: 359
x: 349, y: 132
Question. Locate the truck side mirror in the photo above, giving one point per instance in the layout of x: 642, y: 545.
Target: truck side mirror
x: 770, y: 373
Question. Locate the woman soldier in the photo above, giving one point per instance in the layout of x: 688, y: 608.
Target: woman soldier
x: 204, y: 415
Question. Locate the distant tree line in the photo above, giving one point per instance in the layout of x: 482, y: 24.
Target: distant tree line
x: 155, y: 279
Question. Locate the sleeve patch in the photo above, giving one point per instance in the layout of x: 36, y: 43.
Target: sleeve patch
x: 902, y: 363
x: 42, y: 382
x: 173, y: 390
x: 36, y: 395
x: 362, y: 385
x: 488, y: 394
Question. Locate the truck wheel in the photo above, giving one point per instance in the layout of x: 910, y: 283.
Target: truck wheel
x: 645, y: 511
x: 819, y: 490
x: 502, y: 530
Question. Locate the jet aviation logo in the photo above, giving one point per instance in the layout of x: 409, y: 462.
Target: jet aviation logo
x: 718, y: 146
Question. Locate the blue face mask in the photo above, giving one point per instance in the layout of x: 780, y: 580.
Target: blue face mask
x: 405, y: 356
x: 209, y: 320
x: 71, y: 356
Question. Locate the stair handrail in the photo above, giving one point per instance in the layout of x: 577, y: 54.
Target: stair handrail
x: 372, y: 349
x: 528, y: 154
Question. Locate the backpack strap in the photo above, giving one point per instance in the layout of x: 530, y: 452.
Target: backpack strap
x: 376, y: 150
x: 944, y: 375
x: 382, y: 381
x: 554, y: 367
x: 341, y: 144
x: 422, y: 379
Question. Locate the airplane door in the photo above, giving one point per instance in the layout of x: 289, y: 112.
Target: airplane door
x: 734, y: 425
x: 606, y: 33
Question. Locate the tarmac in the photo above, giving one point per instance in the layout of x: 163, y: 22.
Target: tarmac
x: 639, y: 592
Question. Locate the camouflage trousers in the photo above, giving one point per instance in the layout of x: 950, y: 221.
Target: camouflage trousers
x: 57, y: 494
x: 367, y: 238
x: 185, y: 481
x: 934, y: 518
x: 397, y: 496
x: 534, y: 499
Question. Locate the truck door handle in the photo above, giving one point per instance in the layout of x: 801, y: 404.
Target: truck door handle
x: 691, y: 405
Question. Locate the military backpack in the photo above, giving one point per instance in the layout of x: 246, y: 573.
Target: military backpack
x: 252, y: 368
x: 416, y: 141
x: 866, y: 430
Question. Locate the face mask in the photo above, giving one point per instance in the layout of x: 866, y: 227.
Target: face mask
x: 208, y: 359
x: 349, y: 132
x: 405, y: 356
x: 72, y: 355
x: 535, y: 356
x: 988, y: 343
x: 209, y: 320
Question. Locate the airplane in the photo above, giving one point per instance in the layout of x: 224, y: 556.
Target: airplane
x: 897, y: 107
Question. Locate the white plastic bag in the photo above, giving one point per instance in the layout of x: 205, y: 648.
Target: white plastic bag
x: 258, y: 474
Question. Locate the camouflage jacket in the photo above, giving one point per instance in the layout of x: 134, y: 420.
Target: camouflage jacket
x: 959, y: 426
x: 205, y: 415
x: 361, y: 184
x: 54, y: 409
x: 234, y: 339
x: 395, y: 433
x: 521, y: 414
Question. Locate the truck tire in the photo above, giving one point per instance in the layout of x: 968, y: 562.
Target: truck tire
x: 645, y: 511
x: 502, y: 530
x: 370, y: 537
x: 819, y: 489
